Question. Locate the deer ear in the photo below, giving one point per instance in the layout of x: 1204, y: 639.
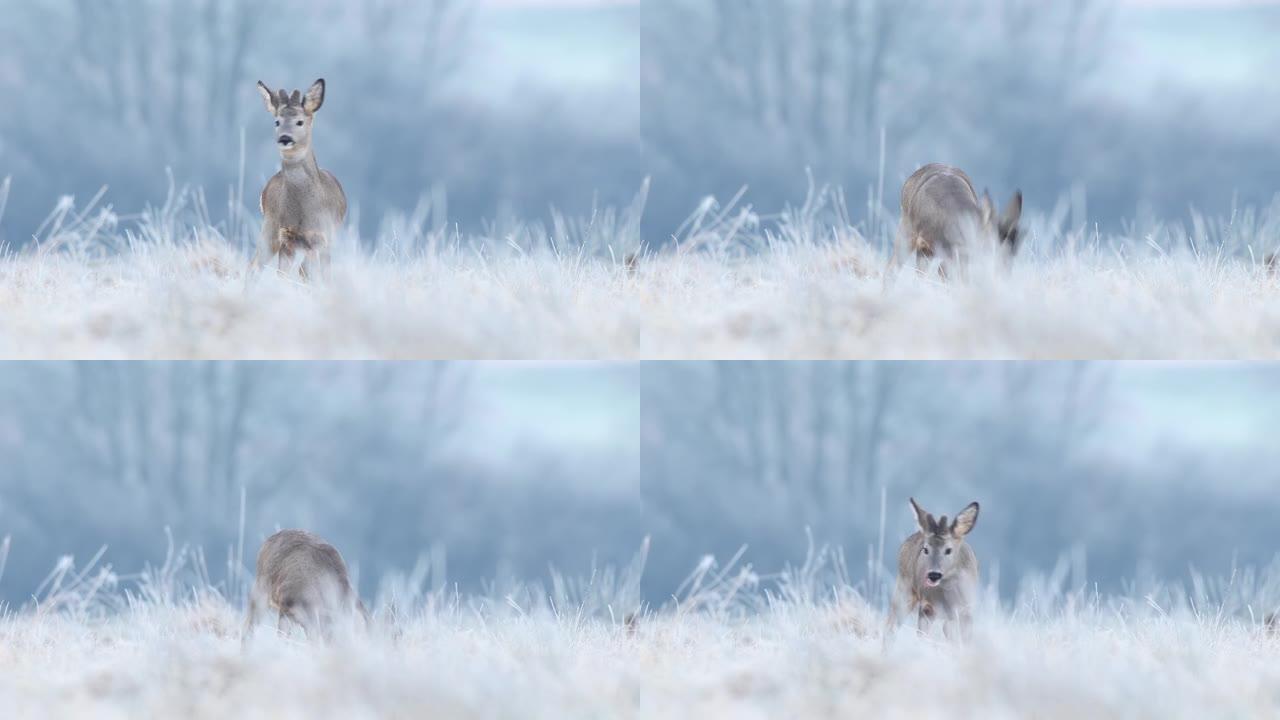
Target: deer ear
x: 988, y: 209
x: 1008, y: 227
x: 268, y: 97
x: 1009, y: 220
x: 965, y: 521
x: 314, y: 99
x: 923, y: 520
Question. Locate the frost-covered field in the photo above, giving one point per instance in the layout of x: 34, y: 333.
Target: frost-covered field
x: 726, y: 650
x: 809, y: 284
x: 793, y: 662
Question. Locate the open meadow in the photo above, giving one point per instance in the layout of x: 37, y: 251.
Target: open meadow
x: 732, y: 645
x: 808, y: 284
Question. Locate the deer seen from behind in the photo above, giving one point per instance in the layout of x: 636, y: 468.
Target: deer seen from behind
x: 304, y: 581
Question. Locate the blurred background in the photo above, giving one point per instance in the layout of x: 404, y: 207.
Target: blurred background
x: 1102, y: 111
x: 507, y: 471
x: 1123, y: 471
x: 482, y: 108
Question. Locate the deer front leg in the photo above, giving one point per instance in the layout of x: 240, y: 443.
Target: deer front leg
x: 924, y: 619
x: 288, y: 242
x: 317, y: 257
x: 281, y: 618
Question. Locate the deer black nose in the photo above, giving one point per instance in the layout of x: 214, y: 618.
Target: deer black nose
x: 935, y: 576
x: 285, y: 140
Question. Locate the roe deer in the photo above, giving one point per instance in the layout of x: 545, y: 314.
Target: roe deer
x: 943, y: 218
x: 302, y: 205
x: 937, y: 572
x: 303, y: 579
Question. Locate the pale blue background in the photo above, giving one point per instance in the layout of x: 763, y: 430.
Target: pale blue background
x: 1142, y: 470
x: 1166, y: 107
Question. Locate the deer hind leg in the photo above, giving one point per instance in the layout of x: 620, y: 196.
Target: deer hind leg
x: 287, y: 616
x: 923, y: 251
x: 921, y: 247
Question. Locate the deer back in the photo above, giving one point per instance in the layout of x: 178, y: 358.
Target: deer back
x: 296, y: 566
x: 939, y: 205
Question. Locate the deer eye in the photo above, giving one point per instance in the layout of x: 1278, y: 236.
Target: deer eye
x: 925, y: 550
x: 299, y: 123
x: 948, y: 551
x: 277, y: 122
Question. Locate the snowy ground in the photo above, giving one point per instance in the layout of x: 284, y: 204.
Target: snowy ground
x: 796, y: 662
x: 727, y: 650
x: 809, y: 284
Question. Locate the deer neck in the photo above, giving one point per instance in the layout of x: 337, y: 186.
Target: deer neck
x: 301, y: 166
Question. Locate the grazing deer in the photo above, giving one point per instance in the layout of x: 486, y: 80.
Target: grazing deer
x: 937, y: 572
x: 302, y: 205
x: 304, y: 579
x: 943, y: 218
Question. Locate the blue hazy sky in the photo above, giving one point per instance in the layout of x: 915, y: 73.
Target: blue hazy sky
x: 571, y: 410
x: 588, y: 45
x: 1223, y: 48
x: 1207, y: 406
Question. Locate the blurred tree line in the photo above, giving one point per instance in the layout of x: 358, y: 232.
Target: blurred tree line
x: 755, y: 453
x: 114, y: 92
x: 369, y: 455
x: 732, y: 93
x: 393, y: 461
x: 1018, y: 92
